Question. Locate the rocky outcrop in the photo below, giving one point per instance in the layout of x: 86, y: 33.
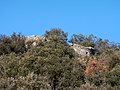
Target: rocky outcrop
x: 33, y: 40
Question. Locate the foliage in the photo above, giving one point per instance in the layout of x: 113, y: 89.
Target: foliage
x: 15, y: 43
x: 54, y: 65
x: 56, y: 34
x: 83, y: 40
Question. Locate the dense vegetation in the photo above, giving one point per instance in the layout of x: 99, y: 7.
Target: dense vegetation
x: 54, y: 65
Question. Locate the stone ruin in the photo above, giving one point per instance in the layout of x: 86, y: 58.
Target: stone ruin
x: 82, y: 50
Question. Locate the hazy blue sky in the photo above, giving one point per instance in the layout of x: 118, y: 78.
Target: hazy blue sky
x: 98, y: 17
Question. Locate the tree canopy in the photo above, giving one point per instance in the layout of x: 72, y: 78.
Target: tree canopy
x: 54, y: 65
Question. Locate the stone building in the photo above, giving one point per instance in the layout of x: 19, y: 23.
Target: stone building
x: 82, y: 50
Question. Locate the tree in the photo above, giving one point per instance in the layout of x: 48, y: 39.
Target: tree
x: 76, y: 38
x: 83, y: 40
x: 14, y: 43
x: 56, y: 34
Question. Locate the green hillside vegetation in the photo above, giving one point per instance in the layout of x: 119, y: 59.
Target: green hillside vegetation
x: 54, y: 65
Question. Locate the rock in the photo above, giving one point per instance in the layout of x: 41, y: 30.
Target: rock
x: 33, y: 40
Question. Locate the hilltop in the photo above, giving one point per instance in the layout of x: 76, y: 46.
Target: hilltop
x: 49, y: 62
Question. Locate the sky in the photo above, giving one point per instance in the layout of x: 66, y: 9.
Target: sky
x: 33, y: 17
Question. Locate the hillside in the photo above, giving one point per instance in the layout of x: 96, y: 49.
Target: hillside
x: 54, y: 62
